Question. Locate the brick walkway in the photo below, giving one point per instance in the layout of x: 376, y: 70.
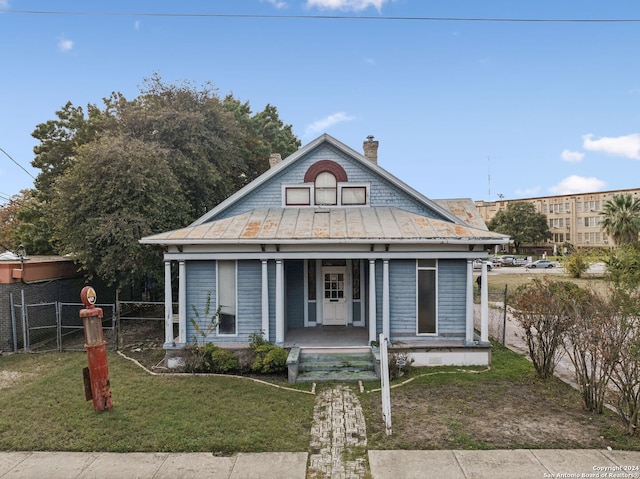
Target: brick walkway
x: 338, y: 436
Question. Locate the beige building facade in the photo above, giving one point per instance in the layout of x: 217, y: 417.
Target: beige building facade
x: 573, y: 219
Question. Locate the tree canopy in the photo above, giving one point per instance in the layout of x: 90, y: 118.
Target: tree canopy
x: 137, y: 167
x: 522, y: 223
x: 621, y: 219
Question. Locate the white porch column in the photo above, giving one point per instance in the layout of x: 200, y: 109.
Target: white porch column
x: 265, y: 300
x: 372, y: 300
x: 469, y: 306
x: 484, y: 305
x: 168, y: 306
x: 182, y: 302
x: 385, y: 298
x: 279, y: 303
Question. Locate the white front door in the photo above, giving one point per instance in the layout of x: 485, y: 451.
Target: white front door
x: 334, y: 301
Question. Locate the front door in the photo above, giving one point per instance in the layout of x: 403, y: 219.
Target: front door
x: 334, y: 302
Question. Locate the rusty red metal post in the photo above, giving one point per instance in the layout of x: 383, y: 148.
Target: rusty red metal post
x: 97, y: 386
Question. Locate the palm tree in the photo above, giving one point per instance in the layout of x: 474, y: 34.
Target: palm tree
x: 622, y: 218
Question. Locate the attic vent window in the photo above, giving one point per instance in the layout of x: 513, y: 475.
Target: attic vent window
x: 326, y: 189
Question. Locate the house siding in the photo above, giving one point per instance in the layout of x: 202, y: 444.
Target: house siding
x: 402, y: 293
x: 382, y: 192
x: 452, y: 292
x: 294, y: 303
x: 201, y: 281
x: 249, y: 299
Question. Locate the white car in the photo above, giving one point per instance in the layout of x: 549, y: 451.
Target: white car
x: 477, y: 264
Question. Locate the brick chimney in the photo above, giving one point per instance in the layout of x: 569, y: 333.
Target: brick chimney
x: 371, y: 149
x: 274, y: 159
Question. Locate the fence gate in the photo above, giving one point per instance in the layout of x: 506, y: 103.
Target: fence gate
x: 56, y: 326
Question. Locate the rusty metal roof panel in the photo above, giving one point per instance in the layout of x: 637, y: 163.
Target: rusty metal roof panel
x: 465, y: 209
x: 326, y: 224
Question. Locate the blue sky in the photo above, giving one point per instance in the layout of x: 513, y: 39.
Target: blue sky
x: 461, y: 108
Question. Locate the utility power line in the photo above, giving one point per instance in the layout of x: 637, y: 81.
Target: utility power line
x: 21, y: 167
x: 327, y: 17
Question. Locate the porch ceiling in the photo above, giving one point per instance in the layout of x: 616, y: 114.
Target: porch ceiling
x: 325, y: 225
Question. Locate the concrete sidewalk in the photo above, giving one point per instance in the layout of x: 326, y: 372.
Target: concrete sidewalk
x: 497, y: 464
x: 107, y: 465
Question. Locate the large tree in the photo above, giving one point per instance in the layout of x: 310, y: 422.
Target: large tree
x: 104, y: 207
x: 522, y: 223
x: 141, y: 166
x: 621, y: 219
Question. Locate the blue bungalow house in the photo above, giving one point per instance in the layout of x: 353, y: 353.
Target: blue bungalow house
x: 327, y: 247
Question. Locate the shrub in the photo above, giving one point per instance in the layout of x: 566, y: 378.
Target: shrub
x: 269, y: 359
x: 257, y: 339
x: 577, y: 264
x: 217, y: 360
x: 399, y: 364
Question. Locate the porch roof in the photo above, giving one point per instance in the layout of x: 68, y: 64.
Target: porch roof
x: 327, y: 225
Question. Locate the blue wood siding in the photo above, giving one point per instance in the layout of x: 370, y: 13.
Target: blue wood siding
x: 201, y: 281
x: 249, y: 299
x: 402, y: 297
x: 452, y: 292
x: 294, y: 300
x: 382, y: 192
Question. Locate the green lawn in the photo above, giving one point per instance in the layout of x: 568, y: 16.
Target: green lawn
x: 42, y: 407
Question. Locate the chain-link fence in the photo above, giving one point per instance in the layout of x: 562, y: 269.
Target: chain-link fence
x: 497, y: 314
x: 54, y: 326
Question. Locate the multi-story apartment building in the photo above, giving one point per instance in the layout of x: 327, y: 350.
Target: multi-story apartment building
x: 573, y: 219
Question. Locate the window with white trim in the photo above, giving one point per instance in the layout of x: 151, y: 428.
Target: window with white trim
x: 426, y: 297
x: 326, y: 189
x: 227, y: 298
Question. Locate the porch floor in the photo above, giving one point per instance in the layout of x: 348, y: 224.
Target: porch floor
x: 327, y: 337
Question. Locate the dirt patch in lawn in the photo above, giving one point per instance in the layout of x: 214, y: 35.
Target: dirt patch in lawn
x: 502, y: 414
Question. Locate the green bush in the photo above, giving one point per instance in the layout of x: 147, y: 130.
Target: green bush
x: 217, y: 360
x: 269, y: 359
x: 257, y: 339
x: 577, y: 264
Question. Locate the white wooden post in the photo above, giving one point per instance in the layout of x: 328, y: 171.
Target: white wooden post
x: 484, y: 305
x: 372, y: 300
x: 469, y: 305
x: 182, y: 302
x: 265, y: 300
x: 169, y: 340
x: 384, y: 384
x: 385, y: 299
x: 279, y: 303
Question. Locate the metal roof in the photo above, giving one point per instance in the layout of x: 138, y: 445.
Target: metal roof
x: 326, y: 225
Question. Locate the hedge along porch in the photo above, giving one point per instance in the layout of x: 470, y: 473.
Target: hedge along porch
x: 328, y: 239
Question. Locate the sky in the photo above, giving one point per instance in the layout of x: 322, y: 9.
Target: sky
x: 480, y: 99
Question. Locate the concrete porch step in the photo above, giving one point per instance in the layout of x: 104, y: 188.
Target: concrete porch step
x: 315, y: 366
x: 336, y: 376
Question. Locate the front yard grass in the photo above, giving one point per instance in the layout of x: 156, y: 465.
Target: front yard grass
x: 505, y: 407
x: 42, y: 407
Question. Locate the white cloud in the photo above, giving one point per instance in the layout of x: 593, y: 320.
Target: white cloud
x: 627, y: 146
x: 577, y: 184
x: 370, y: 61
x: 136, y: 25
x: 276, y: 3
x: 528, y: 191
x: 65, y: 45
x: 327, y: 122
x: 4, y: 4
x: 352, y: 5
x: 572, y: 156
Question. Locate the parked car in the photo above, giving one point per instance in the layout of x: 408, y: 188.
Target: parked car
x: 508, y: 260
x: 477, y: 264
x: 541, y: 263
